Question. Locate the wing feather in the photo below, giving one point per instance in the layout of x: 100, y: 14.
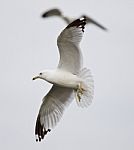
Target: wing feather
x: 68, y: 44
x: 51, y: 110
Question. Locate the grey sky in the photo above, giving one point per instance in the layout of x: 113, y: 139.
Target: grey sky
x: 28, y: 45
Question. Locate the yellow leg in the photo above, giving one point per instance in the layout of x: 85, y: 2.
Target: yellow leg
x: 79, y: 92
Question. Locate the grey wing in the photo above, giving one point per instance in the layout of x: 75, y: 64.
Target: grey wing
x: 51, y: 110
x: 68, y: 43
x: 56, y: 12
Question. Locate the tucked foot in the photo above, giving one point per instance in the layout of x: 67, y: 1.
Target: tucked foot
x: 79, y: 92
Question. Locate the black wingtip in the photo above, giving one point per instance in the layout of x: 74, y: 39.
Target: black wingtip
x: 44, y: 15
x: 81, y: 22
x: 51, y: 12
x: 90, y: 20
x: 40, y: 130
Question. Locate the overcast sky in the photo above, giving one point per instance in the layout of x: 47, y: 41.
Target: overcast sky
x: 28, y: 46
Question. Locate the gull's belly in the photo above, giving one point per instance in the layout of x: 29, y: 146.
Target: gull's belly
x: 64, y: 79
x: 68, y: 81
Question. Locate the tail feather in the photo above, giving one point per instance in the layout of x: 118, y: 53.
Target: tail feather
x: 88, y: 86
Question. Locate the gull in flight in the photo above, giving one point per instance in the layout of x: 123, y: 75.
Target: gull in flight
x: 70, y: 80
x: 57, y: 12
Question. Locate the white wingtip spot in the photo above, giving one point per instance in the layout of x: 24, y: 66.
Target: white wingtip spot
x: 79, y: 23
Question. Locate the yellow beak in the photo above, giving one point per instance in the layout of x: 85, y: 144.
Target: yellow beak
x: 36, y: 77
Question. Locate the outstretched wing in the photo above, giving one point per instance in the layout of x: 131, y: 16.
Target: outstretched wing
x: 56, y: 12
x: 92, y: 21
x: 52, y: 12
x: 68, y: 44
x: 51, y: 110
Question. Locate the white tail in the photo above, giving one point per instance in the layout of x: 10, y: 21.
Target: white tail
x: 88, y: 86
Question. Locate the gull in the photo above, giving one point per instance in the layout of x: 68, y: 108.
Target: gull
x: 58, y: 13
x: 70, y: 80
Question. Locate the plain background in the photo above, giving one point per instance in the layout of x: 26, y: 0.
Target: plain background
x: 28, y: 45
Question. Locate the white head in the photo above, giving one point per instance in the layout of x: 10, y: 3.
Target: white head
x: 42, y: 75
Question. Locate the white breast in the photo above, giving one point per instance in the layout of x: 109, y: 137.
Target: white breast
x: 63, y: 78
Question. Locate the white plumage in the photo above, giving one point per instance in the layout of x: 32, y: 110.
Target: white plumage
x: 70, y: 80
x: 70, y: 55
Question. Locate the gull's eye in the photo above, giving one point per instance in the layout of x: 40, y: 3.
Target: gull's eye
x: 41, y: 73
